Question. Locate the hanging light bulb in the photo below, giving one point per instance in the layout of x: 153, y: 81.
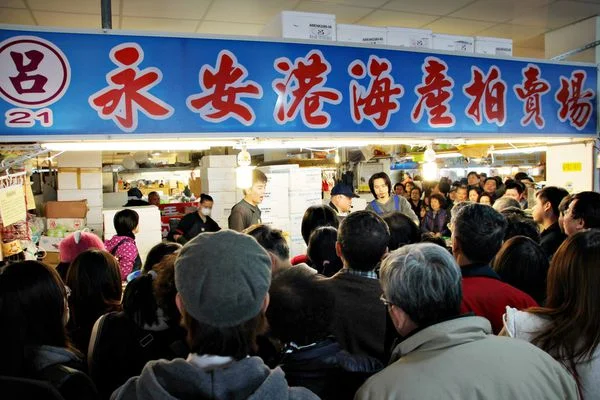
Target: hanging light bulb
x: 430, y: 170
x: 243, y: 173
x: 336, y: 159
x: 429, y: 154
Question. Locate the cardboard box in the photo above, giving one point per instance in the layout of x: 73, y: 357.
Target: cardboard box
x: 50, y: 244
x: 455, y: 43
x: 66, y: 209
x: 195, y: 186
x: 66, y: 224
x: 302, y: 25
x: 93, y: 196
x: 361, y: 34
x: 218, y: 162
x: 493, y: 46
x: 408, y: 37
x: 79, y: 159
x: 52, y: 259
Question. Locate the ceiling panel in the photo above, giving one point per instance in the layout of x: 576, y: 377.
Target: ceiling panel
x: 457, y: 26
x: 343, y: 14
x: 359, y: 3
x: 71, y: 6
x: 559, y: 14
x: 534, y: 42
x: 67, y: 20
x: 395, y: 18
x: 230, y: 28
x: 249, y: 11
x: 495, y: 10
x: 16, y: 16
x: 514, y: 32
x: 184, y: 9
x: 13, y: 4
x: 158, y: 24
x: 435, y: 7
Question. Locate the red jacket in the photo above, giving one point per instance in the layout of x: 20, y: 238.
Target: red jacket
x: 484, y: 294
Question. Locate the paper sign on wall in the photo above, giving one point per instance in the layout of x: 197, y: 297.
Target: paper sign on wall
x: 572, y: 167
x: 12, y: 205
x: 29, y: 196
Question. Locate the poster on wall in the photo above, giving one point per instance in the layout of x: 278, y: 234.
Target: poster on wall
x: 56, y: 83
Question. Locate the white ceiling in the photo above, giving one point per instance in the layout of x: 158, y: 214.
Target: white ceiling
x: 524, y: 21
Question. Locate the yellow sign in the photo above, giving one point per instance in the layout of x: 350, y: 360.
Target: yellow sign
x: 571, y: 167
x: 29, y: 196
x: 12, y: 205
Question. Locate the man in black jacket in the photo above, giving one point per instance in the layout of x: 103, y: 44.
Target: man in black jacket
x: 545, y: 212
x: 196, y: 223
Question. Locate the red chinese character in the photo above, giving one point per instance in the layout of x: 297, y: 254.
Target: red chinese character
x: 379, y: 101
x: 221, y: 88
x: 488, y: 96
x: 35, y: 58
x: 575, y: 105
x: 434, y: 94
x: 128, y: 90
x: 531, y: 91
x: 303, y: 90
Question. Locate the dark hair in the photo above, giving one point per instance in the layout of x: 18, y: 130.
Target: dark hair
x: 564, y: 203
x: 153, y: 193
x: 164, y: 288
x: 316, y: 216
x: 125, y: 221
x: 270, y: 239
x: 587, y: 208
x: 521, y: 175
x: 363, y: 237
x: 403, y: 230
x: 32, y: 308
x: 522, y: 263
x: 573, y: 333
x: 486, y: 195
x: 301, y: 308
x: 95, y: 283
x: 440, y: 198
x: 475, y: 188
x: 512, y: 184
x: 429, y: 237
x: 205, y: 197
x: 379, y: 175
x: 479, y: 229
x: 518, y: 225
x: 554, y: 195
x: 258, y: 176
x: 491, y: 178
x: 444, y: 187
x: 321, y: 251
x: 415, y: 187
x: 473, y: 173
x: 399, y: 184
x: 138, y: 301
x: 157, y: 252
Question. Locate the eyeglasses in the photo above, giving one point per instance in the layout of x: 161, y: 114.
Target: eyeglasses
x: 67, y: 291
x: 385, y: 301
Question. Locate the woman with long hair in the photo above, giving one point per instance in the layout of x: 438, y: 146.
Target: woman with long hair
x: 568, y: 327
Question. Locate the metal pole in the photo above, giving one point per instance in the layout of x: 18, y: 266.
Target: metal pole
x: 106, y: 12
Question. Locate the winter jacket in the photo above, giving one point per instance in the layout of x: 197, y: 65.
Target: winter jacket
x: 459, y: 359
x: 248, y: 378
x: 524, y: 325
x: 126, y: 253
x: 394, y: 203
x: 436, y: 223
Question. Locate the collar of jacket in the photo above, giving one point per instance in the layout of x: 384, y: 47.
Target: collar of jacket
x: 478, y: 270
x: 554, y: 228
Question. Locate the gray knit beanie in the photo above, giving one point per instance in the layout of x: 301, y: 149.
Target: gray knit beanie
x: 223, y: 277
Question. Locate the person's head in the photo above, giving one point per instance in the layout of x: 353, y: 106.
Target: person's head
x: 134, y: 194
x: 562, y: 209
x: 256, y: 193
x: 583, y: 212
x: 490, y: 185
x: 272, y: 240
x: 415, y: 194
x: 452, y: 193
x: 506, y: 202
x: 482, y: 177
x: 403, y: 230
x: 485, y: 199
x: 301, y: 307
x: 477, y: 233
x: 522, y: 263
x: 95, y: 283
x: 421, y: 286
x: 157, y: 252
x: 437, y: 201
x: 399, y: 189
x: 341, y: 197
x: 77, y: 242
x: 462, y: 193
x: 205, y: 205
x: 164, y: 289
x: 546, y: 204
x: 154, y: 198
x: 316, y: 216
x: 572, y: 300
x: 472, y: 178
x: 380, y: 186
x: 430, y: 237
x: 474, y: 194
x: 443, y: 187
x: 362, y: 240
x: 126, y: 222
x: 514, y: 189
x: 321, y: 250
x: 520, y: 175
x: 223, y: 294
x: 33, y: 312
x: 409, y: 186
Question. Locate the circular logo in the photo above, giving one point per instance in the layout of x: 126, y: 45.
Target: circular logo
x: 34, y: 73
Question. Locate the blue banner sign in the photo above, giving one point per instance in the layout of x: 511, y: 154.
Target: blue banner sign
x: 56, y: 83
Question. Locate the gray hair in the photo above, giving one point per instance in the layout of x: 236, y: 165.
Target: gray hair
x: 423, y: 280
x: 505, y: 202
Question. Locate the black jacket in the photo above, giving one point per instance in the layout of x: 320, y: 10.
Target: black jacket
x: 551, y: 239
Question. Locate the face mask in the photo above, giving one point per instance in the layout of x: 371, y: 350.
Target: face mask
x: 205, y: 211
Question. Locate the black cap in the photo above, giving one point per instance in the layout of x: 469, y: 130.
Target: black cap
x: 342, y: 188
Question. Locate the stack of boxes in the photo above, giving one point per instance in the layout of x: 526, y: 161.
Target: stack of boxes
x: 217, y: 176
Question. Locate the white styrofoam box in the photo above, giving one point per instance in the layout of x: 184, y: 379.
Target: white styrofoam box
x: 217, y: 185
x: 278, y: 180
x: 301, y: 25
x: 229, y: 161
x: 223, y: 198
x: 279, y: 223
x: 304, y: 179
x: 89, y: 159
x: 239, y: 195
x: 358, y: 204
x: 94, y: 215
x: 297, y: 247
x: 149, y: 219
x: 114, y: 200
x: 87, y: 180
x: 50, y: 244
x: 93, y: 196
x: 97, y: 229
x: 218, y: 173
x: 296, y: 225
x: 493, y: 46
x: 409, y: 37
x: 221, y: 211
x: 361, y: 34
x: 279, y: 168
x: 300, y: 201
x: 457, y: 43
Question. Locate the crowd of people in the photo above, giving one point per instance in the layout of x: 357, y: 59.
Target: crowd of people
x: 380, y: 306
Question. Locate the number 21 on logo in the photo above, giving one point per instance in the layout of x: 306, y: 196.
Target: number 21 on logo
x: 25, y: 118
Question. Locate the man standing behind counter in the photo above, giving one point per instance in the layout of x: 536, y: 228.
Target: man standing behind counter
x: 246, y: 212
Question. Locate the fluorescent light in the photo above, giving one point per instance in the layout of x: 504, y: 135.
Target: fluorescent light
x: 327, y: 143
x: 521, y: 150
x: 448, y: 155
x: 430, y: 171
x: 141, y: 145
x: 520, y: 140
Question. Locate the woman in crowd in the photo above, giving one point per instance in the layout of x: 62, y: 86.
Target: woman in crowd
x: 122, y: 245
x: 321, y: 251
x: 485, y: 199
x: 72, y: 245
x: 436, y: 219
x: 314, y: 217
x: 568, y: 327
x: 33, y: 339
x: 474, y: 194
x: 403, y: 230
x: 154, y: 256
x: 95, y: 290
x: 415, y: 200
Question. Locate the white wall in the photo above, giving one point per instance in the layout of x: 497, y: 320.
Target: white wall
x: 560, y: 158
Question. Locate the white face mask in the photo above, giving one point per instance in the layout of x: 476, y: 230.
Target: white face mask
x: 205, y: 211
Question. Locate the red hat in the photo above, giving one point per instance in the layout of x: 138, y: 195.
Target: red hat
x: 78, y: 242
